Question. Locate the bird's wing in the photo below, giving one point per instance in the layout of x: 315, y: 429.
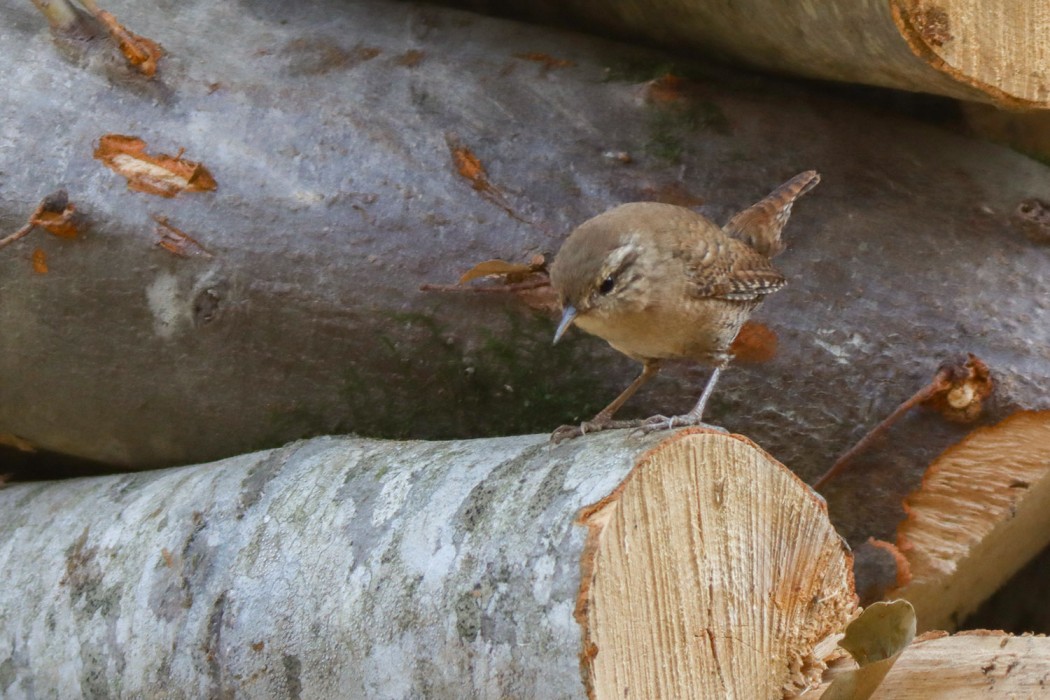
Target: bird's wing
x: 759, y: 225
x: 723, y: 268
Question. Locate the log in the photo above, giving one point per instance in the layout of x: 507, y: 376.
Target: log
x: 341, y: 567
x: 975, y: 664
x: 993, y: 52
x: 301, y: 314
x: 982, y: 512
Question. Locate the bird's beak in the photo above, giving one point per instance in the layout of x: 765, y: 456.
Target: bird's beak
x: 567, y: 317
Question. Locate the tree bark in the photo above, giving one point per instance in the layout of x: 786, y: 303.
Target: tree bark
x: 336, y: 135
x: 361, y: 568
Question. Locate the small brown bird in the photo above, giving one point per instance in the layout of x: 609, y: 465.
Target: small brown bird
x: 661, y: 282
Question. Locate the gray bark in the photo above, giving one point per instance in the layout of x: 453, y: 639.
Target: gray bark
x: 331, y: 568
x: 338, y: 197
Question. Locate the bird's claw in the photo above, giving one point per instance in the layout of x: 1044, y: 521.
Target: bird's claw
x: 568, y: 432
x: 641, y: 427
x: 654, y: 423
x: 658, y: 422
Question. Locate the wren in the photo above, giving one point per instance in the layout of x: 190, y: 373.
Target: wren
x: 661, y: 282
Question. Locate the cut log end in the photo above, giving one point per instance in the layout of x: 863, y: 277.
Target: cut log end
x: 997, y: 49
x: 982, y: 512
x: 712, y: 571
x: 976, y: 664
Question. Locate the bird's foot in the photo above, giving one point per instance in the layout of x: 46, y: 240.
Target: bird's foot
x: 651, y: 425
x: 597, y: 424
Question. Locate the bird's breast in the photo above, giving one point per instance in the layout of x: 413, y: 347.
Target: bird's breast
x: 700, y: 330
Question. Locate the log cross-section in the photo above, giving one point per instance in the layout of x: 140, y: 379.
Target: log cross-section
x: 981, y: 514
x: 971, y: 665
x: 712, y: 571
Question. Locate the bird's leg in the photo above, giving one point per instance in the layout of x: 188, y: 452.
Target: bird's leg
x: 698, y: 410
x: 604, y: 421
x: 693, y: 417
x: 649, y: 370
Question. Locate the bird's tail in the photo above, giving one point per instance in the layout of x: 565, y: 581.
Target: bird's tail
x: 760, y: 224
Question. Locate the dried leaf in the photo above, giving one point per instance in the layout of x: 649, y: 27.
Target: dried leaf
x: 58, y: 224
x: 469, y: 166
x: 875, y: 640
x: 139, y: 51
x: 160, y: 174
x: 528, y: 281
x: 55, y: 213
x: 496, y: 267
x: 39, y: 262
x: 754, y: 343
x: 177, y: 241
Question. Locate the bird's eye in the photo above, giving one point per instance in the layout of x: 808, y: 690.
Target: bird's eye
x: 606, y: 286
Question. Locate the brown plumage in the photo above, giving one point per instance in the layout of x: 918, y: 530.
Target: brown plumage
x: 659, y: 282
